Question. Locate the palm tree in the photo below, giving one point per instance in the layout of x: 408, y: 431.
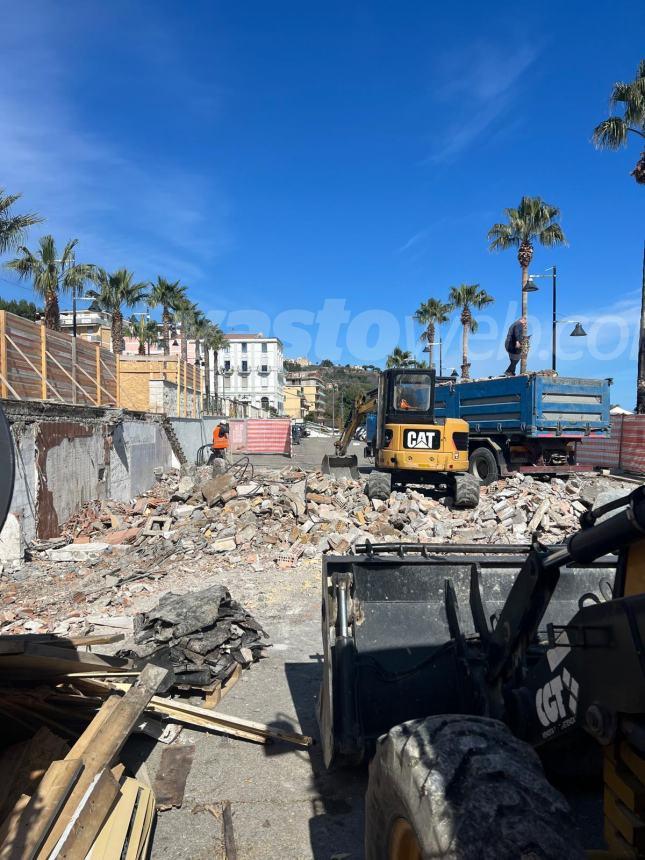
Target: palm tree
x: 400, y: 358
x: 114, y: 291
x: 13, y: 227
x: 532, y: 221
x: 144, y: 330
x: 167, y: 295
x: 52, y: 274
x: 186, y: 313
x: 214, y: 340
x: 465, y: 297
x: 613, y: 132
x: 431, y: 313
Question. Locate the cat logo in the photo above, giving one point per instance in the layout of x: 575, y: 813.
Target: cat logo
x: 557, y: 699
x: 421, y: 439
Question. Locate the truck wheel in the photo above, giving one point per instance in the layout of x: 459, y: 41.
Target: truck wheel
x: 462, y: 788
x: 483, y: 464
x: 465, y: 490
x: 379, y: 485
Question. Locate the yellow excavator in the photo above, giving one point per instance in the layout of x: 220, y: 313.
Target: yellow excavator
x: 408, y: 445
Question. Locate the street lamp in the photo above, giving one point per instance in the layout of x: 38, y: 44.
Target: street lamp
x: 578, y: 331
x: 438, y: 343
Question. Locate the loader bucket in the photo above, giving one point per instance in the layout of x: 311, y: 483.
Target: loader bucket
x: 340, y: 467
x: 390, y: 654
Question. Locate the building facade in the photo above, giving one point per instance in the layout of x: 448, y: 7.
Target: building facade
x: 314, y: 391
x: 95, y: 326
x: 295, y: 403
x: 251, y: 371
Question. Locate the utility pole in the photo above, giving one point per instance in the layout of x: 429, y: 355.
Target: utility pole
x: 554, y: 335
x: 640, y: 382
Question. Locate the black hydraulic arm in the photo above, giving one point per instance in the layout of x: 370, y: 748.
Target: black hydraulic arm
x: 531, y: 592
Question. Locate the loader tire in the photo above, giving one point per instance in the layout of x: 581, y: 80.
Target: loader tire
x: 484, y: 466
x: 465, y: 490
x: 379, y: 485
x: 463, y: 788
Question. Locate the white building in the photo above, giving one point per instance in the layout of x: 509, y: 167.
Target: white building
x: 251, y: 371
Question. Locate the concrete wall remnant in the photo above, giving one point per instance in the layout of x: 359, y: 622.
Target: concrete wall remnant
x: 69, y: 455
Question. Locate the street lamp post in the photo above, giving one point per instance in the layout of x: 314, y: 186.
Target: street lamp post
x: 438, y: 343
x: 578, y: 330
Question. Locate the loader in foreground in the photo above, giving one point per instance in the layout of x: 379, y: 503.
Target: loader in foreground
x: 409, y: 445
x: 449, y: 665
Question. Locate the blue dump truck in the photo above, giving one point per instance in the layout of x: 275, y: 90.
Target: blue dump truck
x: 528, y: 423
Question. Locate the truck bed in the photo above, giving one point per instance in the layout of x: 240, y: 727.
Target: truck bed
x: 531, y: 405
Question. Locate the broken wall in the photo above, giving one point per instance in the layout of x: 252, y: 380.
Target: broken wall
x: 66, y: 456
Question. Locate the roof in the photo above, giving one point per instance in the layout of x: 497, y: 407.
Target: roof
x: 243, y: 335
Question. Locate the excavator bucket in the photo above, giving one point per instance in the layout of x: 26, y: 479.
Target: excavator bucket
x: 340, y: 467
x: 393, y: 620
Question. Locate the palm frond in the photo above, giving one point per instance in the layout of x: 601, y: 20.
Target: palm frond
x: 611, y: 133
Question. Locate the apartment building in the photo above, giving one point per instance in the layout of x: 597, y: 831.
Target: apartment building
x: 312, y: 388
x: 251, y: 371
x: 95, y: 326
x: 295, y: 402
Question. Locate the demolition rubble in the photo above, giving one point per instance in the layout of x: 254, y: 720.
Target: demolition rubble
x: 114, y: 559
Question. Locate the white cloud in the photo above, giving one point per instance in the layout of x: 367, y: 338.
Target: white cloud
x: 478, y: 85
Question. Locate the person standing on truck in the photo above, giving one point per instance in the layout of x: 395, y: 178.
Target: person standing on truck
x: 513, y: 344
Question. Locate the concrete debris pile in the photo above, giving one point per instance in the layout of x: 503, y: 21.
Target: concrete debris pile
x: 201, y: 636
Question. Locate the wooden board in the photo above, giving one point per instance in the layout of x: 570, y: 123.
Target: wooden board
x: 44, y: 805
x: 101, y: 750
x: 88, y: 815
x: 170, y: 781
x: 230, y: 849
x: 29, y: 765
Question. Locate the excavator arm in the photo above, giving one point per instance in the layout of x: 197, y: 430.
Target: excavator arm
x: 340, y: 465
x: 363, y: 404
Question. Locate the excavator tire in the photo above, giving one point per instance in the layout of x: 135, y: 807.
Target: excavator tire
x: 465, y: 490
x: 379, y: 485
x: 463, y: 788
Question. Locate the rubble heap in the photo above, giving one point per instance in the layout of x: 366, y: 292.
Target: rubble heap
x: 113, y: 556
x: 202, y: 636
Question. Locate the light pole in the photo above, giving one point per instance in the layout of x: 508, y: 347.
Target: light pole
x: 438, y: 343
x: 578, y: 330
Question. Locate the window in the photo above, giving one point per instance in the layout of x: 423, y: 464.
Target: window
x: 245, y: 366
x: 227, y: 365
x: 265, y: 347
x: 264, y: 368
x: 265, y: 403
x: 244, y: 382
x: 244, y: 347
x: 412, y: 392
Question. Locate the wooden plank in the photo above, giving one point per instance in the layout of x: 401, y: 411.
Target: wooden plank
x: 94, y: 729
x: 75, y: 383
x: 43, y: 807
x: 42, y: 377
x: 141, y: 823
x: 106, y: 745
x: 112, y: 837
x: 170, y: 781
x: 43, y: 361
x: 9, y: 826
x: 3, y: 354
x: 93, y: 807
x: 230, y: 849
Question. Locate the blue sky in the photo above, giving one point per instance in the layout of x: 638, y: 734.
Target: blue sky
x: 318, y: 169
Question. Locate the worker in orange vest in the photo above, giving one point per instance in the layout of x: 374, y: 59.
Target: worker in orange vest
x: 220, y: 442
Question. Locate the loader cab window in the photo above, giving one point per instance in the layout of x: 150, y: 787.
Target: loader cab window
x: 412, y: 393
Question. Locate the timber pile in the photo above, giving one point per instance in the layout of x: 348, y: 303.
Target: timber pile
x: 202, y: 636
x: 65, y: 716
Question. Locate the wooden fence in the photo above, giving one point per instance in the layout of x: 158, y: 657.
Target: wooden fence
x: 39, y: 364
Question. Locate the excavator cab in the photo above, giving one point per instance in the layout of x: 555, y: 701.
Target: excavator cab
x: 409, y: 445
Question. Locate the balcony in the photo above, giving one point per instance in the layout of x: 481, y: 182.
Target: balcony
x: 264, y: 369
x: 244, y: 371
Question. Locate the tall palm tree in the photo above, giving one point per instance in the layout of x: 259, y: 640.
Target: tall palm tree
x: 52, y: 273
x: 400, y: 358
x: 186, y: 313
x: 214, y: 340
x: 532, y: 221
x: 144, y: 330
x: 613, y: 132
x: 432, y: 313
x: 167, y: 295
x: 464, y: 298
x: 13, y: 227
x: 114, y: 291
